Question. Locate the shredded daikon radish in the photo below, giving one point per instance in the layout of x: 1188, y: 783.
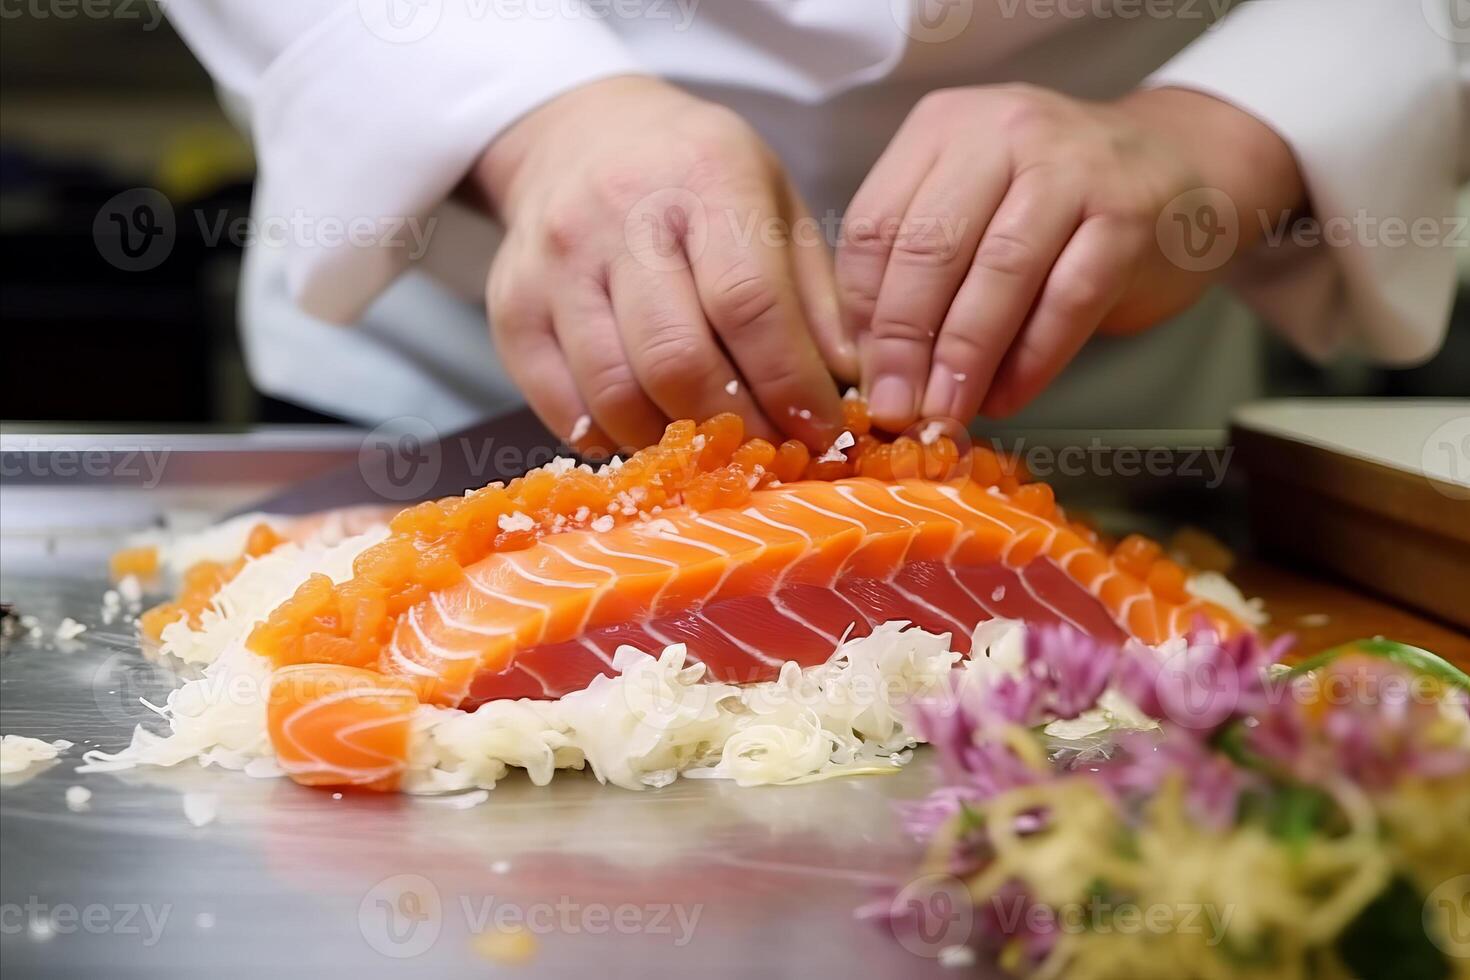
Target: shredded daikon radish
x: 18, y: 752
x: 262, y: 585
x: 1216, y: 588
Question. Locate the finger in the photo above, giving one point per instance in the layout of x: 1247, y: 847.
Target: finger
x: 816, y: 285
x: 1088, y: 278
x: 671, y: 348
x: 587, y: 331
x: 746, y: 289
x: 1020, y: 245
x: 936, y: 240
x: 871, y: 223
x: 522, y: 332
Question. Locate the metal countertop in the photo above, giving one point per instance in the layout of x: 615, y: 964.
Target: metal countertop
x: 700, y: 878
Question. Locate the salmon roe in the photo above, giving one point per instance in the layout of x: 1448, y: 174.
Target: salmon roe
x: 202, y: 581
x: 141, y: 561
x: 704, y: 466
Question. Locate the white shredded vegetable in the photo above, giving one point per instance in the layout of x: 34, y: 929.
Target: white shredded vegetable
x: 18, y: 752
x: 262, y: 585
x: 1216, y: 588
x: 660, y: 718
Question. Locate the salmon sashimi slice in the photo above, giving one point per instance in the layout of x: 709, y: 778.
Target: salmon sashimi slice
x: 340, y: 726
x: 781, y: 578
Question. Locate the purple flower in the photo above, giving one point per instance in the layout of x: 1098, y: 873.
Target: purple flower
x: 1212, y: 782
x: 1365, y: 718
x: 1204, y: 684
x: 1070, y: 670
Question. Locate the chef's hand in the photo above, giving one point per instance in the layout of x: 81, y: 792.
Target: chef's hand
x: 649, y: 271
x: 1004, y: 225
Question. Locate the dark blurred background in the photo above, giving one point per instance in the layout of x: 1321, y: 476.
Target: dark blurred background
x: 99, y: 98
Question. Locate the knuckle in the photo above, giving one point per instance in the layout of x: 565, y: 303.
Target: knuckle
x: 887, y: 327
x: 961, y: 345
x: 618, y: 189
x: 939, y: 103
x: 564, y: 231
x: 1074, y: 294
x: 859, y: 295
x: 508, y: 301
x: 923, y: 242
x: 781, y: 378
x: 865, y: 235
x: 612, y: 390
x: 743, y: 299
x: 671, y: 359
x: 1005, y: 254
x: 1024, y: 109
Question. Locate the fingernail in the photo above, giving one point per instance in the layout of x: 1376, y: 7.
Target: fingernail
x: 891, y: 401
x: 939, y: 396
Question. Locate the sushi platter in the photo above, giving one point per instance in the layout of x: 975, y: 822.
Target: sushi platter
x: 132, y: 869
x: 243, y: 875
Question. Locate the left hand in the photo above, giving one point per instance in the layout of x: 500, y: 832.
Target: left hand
x: 1004, y: 225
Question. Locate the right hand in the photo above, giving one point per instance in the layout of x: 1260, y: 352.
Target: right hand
x: 655, y: 253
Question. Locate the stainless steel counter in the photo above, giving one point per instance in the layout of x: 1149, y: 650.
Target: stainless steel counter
x: 698, y: 879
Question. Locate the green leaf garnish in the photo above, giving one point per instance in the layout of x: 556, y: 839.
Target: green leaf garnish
x: 1415, y: 658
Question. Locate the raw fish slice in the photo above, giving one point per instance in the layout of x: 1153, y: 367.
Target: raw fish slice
x: 941, y: 557
x: 340, y: 726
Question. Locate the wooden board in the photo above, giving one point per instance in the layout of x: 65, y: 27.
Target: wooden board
x: 1324, y: 614
x: 1353, y: 489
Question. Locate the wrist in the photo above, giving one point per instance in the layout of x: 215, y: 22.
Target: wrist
x: 499, y: 173
x: 1227, y: 148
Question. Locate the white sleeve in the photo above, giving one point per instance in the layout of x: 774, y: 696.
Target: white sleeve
x: 366, y: 116
x: 1371, y: 97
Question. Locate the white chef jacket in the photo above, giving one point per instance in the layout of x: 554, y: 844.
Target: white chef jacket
x: 378, y: 108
